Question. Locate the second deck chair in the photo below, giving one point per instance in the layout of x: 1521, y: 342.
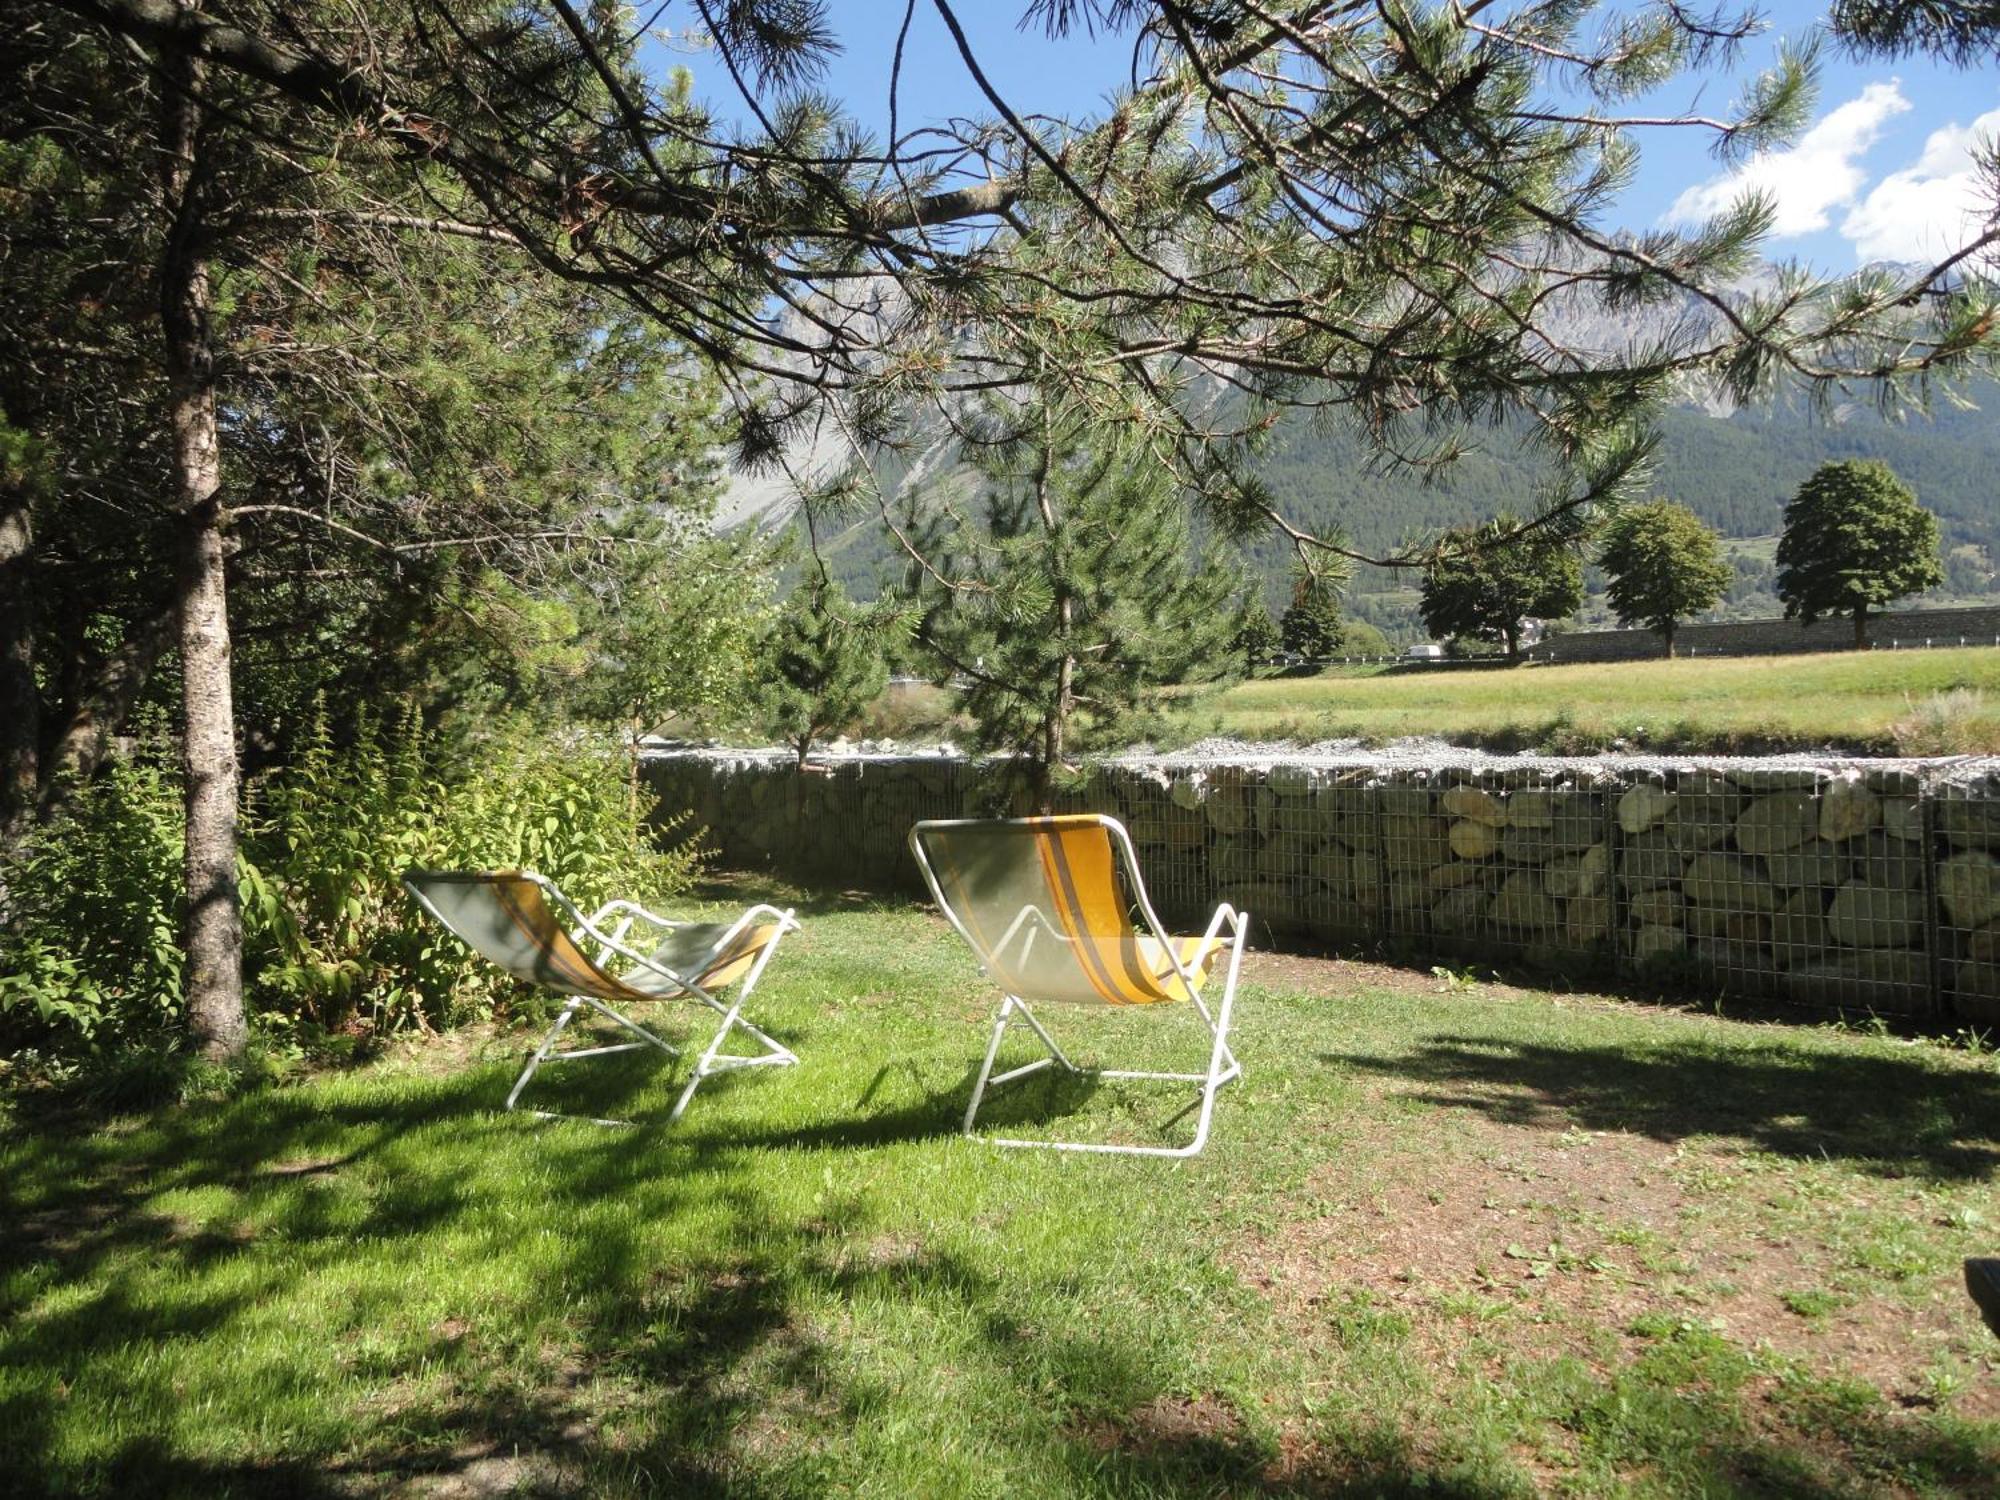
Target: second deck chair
x: 1040, y: 903
x: 510, y: 917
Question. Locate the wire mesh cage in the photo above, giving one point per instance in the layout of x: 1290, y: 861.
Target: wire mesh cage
x: 1777, y: 882
x: 1857, y: 888
x: 1964, y: 839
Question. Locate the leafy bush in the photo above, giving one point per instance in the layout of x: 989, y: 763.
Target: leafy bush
x: 90, y: 920
x: 90, y: 961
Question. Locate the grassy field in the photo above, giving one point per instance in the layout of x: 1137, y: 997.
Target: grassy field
x: 1448, y: 1239
x: 1922, y: 702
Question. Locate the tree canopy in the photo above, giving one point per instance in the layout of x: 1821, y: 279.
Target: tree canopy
x: 1663, y: 566
x: 1855, y: 541
x: 1493, y: 580
x: 1390, y: 214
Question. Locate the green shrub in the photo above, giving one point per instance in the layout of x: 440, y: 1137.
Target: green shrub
x: 333, y: 946
x: 90, y: 954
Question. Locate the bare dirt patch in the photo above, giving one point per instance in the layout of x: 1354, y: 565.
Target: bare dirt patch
x: 1332, y: 975
x: 1168, y: 1426
x: 1525, y: 1232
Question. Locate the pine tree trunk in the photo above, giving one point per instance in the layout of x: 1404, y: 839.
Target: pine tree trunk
x: 20, y: 702
x: 1056, y: 721
x: 213, y: 933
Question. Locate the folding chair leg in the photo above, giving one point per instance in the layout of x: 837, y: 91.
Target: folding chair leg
x: 547, y: 1053
x: 541, y: 1053
x: 1222, y: 1063
x: 713, y: 1060
x: 1000, y: 1024
x: 1222, y: 1068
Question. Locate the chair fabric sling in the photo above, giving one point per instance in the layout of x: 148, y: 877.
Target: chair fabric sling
x: 1044, y: 903
x: 514, y: 919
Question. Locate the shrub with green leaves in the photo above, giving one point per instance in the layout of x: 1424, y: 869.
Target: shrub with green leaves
x: 90, y: 956
x: 90, y: 961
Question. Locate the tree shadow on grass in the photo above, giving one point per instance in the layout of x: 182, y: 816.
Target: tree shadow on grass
x: 1896, y: 1116
x: 726, y: 1371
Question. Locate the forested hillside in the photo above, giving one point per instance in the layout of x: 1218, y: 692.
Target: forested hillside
x: 1735, y: 472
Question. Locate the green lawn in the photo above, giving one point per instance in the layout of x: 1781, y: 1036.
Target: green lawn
x: 1927, y: 702
x: 1449, y: 1238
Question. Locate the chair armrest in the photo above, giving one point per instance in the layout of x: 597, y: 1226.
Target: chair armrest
x: 632, y: 909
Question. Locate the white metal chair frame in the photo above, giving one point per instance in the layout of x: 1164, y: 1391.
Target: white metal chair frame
x: 712, y: 1060
x: 1222, y: 1064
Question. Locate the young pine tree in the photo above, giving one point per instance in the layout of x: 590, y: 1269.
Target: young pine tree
x: 1663, y: 567
x: 1077, y: 592
x: 1257, y: 637
x: 824, y: 663
x: 1311, y: 625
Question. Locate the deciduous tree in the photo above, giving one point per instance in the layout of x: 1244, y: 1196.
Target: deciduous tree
x: 1487, y: 582
x: 1663, y: 566
x: 1855, y: 541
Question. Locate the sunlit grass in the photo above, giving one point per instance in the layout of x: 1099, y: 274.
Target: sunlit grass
x: 375, y: 1282
x: 1874, y: 701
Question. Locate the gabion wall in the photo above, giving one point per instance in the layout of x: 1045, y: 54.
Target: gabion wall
x: 1863, y: 887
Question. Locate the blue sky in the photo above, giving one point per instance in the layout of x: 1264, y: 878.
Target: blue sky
x: 1884, y: 173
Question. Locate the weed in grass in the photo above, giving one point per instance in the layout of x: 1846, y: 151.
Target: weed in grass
x: 1813, y: 1302
x: 1952, y: 722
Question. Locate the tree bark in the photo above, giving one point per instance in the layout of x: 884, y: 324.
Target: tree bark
x: 20, y: 701
x: 1861, y: 627
x: 1669, y: 634
x: 213, y: 931
x: 1056, y: 720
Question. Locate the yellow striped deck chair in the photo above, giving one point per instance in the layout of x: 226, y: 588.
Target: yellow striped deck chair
x: 1047, y: 905
x: 515, y: 919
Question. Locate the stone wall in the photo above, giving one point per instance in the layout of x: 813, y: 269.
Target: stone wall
x: 1863, y: 885
x: 1975, y: 625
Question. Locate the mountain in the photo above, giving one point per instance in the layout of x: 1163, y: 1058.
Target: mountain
x: 1734, y: 468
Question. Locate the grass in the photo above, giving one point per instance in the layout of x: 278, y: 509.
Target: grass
x: 1466, y: 1240
x: 1880, y: 702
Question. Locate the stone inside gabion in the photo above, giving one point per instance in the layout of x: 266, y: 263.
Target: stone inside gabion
x: 1858, y: 884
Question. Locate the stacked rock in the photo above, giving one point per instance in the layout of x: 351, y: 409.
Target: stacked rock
x: 1830, y: 887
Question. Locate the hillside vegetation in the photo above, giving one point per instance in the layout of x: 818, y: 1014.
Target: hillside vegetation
x: 1909, y: 702
x: 1734, y: 472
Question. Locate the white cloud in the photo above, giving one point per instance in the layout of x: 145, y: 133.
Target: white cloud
x: 1808, y: 180
x: 1926, y: 211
